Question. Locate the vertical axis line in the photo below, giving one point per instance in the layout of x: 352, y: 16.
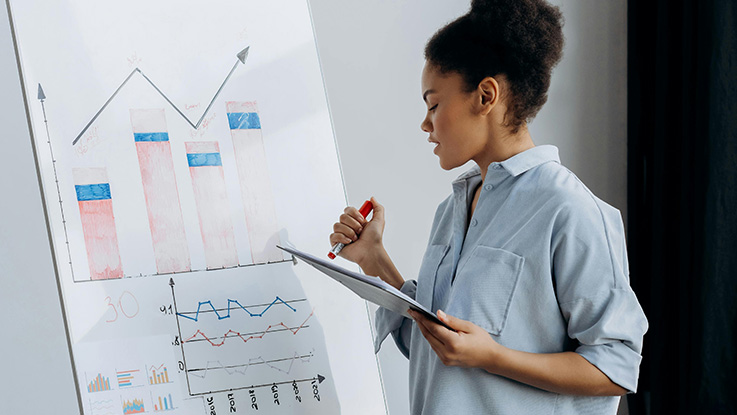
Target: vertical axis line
x: 58, y: 190
x: 179, y: 330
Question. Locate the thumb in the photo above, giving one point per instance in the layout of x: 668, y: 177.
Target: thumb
x: 454, y: 322
x: 378, y: 213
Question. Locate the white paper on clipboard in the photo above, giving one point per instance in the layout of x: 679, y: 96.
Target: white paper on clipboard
x: 369, y: 288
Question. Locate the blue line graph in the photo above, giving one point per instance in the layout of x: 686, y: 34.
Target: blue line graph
x: 230, y: 303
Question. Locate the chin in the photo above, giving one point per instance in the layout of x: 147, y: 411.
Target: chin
x: 446, y: 165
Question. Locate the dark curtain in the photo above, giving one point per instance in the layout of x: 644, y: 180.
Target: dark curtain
x: 682, y: 201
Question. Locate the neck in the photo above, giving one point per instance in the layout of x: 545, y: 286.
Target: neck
x: 504, y: 146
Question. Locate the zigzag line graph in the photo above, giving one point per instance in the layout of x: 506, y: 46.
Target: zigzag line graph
x: 105, y: 407
x: 230, y: 302
x: 233, y: 334
x: 154, y: 367
x: 241, y: 369
x: 242, y: 55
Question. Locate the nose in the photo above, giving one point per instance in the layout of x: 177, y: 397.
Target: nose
x: 426, y: 125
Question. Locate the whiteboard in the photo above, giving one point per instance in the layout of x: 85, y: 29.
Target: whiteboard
x: 177, y: 144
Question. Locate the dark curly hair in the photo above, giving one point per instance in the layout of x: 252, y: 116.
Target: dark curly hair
x: 520, y: 39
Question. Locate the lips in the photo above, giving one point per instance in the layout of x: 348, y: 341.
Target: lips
x: 435, y: 149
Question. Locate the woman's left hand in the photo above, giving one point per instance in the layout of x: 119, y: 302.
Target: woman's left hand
x: 468, y: 346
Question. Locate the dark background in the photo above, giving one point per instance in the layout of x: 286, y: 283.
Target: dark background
x: 682, y: 202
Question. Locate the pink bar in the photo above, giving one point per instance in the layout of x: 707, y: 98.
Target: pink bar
x: 162, y: 196
x: 213, y: 208
x: 258, y: 199
x: 98, y: 226
x: 245, y: 106
x: 101, y: 239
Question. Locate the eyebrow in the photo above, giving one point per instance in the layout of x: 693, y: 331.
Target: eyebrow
x: 428, y: 92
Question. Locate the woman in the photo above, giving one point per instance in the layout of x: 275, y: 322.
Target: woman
x: 525, y: 264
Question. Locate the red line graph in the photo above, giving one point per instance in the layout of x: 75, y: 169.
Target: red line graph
x: 232, y: 333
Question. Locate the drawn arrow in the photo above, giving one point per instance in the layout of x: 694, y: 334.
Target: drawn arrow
x: 242, y: 56
x: 42, y: 97
x: 320, y: 379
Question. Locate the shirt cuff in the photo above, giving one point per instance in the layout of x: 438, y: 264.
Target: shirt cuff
x: 617, y: 361
x: 388, y: 321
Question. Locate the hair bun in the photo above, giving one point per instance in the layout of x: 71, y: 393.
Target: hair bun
x: 483, y: 6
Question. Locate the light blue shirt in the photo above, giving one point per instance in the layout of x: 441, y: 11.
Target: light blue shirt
x: 542, y: 266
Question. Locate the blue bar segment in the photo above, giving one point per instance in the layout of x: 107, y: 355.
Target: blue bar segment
x: 87, y: 192
x: 244, y: 120
x: 204, y: 159
x: 151, y: 136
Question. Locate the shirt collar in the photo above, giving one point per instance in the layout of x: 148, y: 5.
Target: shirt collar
x: 519, y: 163
x: 529, y: 159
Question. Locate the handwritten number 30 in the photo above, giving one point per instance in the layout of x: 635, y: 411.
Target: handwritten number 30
x: 121, y: 305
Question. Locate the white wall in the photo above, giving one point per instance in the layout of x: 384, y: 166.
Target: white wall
x: 371, y: 53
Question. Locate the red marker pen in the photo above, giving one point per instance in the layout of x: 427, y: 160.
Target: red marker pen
x: 366, y: 208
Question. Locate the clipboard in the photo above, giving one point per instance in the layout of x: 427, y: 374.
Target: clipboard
x: 369, y: 288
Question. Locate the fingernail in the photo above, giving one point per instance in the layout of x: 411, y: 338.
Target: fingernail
x: 441, y: 314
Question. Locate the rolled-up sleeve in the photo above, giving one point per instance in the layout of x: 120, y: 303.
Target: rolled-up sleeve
x: 592, y: 284
x: 388, y: 322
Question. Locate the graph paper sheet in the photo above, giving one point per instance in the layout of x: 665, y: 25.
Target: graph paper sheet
x: 177, y: 142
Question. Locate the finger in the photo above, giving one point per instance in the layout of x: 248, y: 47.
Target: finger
x: 339, y: 237
x: 455, y: 323
x: 345, y: 230
x: 437, y: 345
x: 424, y: 325
x: 355, y: 214
x: 439, y: 332
x: 378, y: 210
x: 351, y: 222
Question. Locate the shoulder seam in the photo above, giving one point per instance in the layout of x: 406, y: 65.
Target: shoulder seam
x: 603, y: 222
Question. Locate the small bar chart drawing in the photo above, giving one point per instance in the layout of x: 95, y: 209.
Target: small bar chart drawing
x: 208, y: 183
x: 160, y: 188
x: 98, y: 384
x: 162, y: 403
x: 98, y: 222
x: 253, y: 174
x: 126, y: 377
x: 157, y: 375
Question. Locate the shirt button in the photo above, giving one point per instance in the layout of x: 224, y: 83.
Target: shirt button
x: 474, y: 222
x: 488, y: 187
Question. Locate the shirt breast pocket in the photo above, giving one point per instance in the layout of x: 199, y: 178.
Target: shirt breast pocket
x: 428, y: 271
x: 484, y: 287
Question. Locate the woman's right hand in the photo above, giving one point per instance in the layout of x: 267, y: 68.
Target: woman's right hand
x: 362, y: 238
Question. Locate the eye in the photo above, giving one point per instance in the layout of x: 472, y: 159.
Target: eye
x: 433, y: 107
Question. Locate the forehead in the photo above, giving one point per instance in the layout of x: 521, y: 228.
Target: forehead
x: 438, y: 82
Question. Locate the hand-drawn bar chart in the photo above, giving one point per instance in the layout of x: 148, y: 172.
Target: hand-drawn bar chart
x: 159, y: 169
x: 98, y: 222
x: 160, y: 187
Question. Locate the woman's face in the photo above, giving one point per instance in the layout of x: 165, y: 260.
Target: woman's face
x: 452, y: 121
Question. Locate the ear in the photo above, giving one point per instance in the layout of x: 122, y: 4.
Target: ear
x: 488, y: 92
